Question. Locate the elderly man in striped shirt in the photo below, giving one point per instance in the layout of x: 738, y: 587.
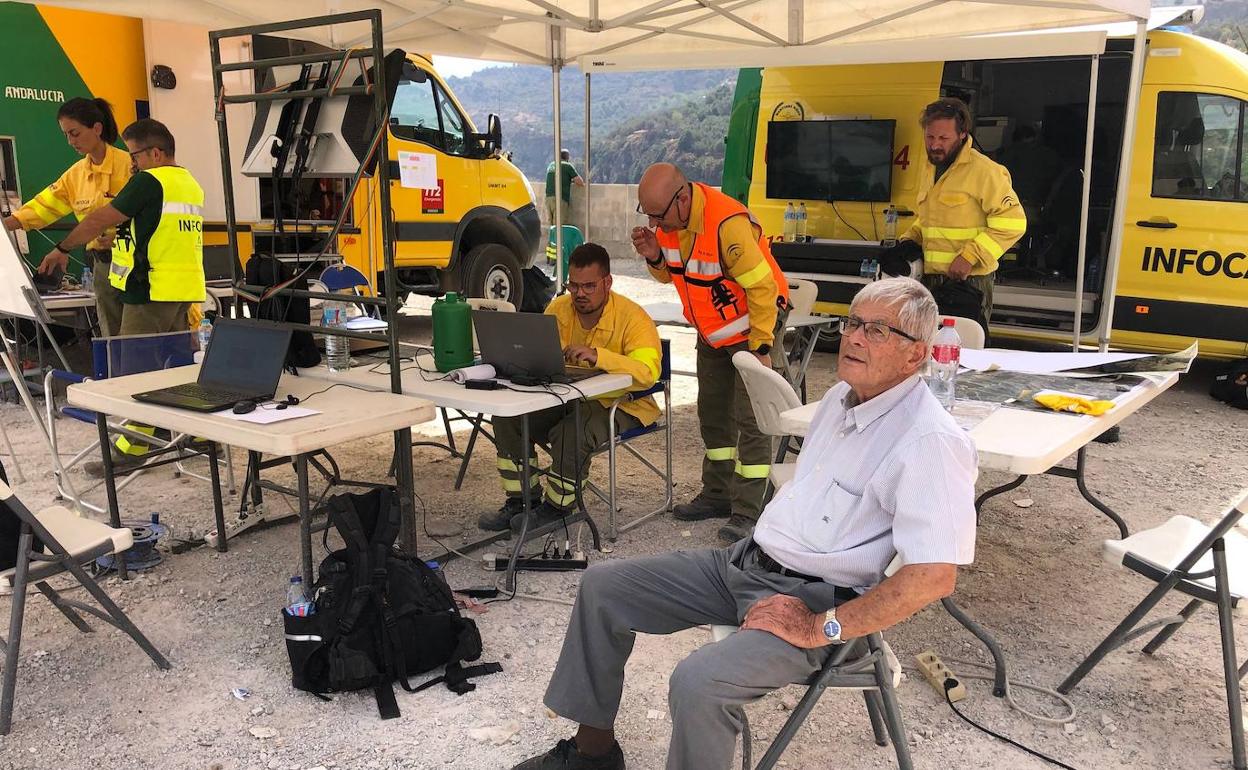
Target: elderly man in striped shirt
x: 884, y: 472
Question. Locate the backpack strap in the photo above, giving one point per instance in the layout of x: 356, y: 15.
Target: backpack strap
x: 456, y: 678
x: 347, y: 522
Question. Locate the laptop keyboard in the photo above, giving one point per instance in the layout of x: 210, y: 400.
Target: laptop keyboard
x: 195, y: 390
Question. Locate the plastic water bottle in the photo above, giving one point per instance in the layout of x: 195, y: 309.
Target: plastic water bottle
x: 890, y: 225
x: 297, y: 602
x: 801, y: 222
x: 204, y: 334
x: 88, y: 280
x: 946, y: 355
x: 869, y: 269
x: 337, y: 349
x: 790, y: 223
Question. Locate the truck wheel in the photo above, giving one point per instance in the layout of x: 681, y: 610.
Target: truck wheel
x: 493, y: 272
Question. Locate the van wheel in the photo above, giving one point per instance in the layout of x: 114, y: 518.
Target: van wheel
x: 493, y: 272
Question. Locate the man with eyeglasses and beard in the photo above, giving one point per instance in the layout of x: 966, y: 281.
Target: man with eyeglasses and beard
x: 713, y: 251
x: 967, y: 216
x: 885, y: 473
x: 598, y: 329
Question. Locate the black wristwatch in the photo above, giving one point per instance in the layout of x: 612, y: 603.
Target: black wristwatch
x: 656, y: 263
x: 763, y: 349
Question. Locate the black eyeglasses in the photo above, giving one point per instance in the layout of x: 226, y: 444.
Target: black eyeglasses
x: 875, y: 331
x: 140, y: 152
x: 666, y: 208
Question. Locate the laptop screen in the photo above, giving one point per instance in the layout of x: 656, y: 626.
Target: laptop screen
x: 245, y: 355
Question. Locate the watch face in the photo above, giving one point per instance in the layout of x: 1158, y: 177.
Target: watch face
x: 832, y: 630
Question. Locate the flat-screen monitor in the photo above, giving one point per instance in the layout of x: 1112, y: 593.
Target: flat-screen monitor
x: 830, y: 160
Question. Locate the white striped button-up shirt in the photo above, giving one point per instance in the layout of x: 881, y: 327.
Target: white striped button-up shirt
x: 892, y: 476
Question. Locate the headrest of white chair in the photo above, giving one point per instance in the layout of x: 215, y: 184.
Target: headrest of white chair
x: 5, y: 492
x: 894, y: 565
x: 770, y: 394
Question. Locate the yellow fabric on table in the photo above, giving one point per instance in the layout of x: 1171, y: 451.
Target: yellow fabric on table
x: 1072, y: 402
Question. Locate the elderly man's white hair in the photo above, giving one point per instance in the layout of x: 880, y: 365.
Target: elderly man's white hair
x: 916, y: 309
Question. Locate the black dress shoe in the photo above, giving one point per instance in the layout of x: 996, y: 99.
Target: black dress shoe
x: 564, y: 756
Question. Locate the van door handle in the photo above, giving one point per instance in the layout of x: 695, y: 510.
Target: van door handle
x: 1158, y: 224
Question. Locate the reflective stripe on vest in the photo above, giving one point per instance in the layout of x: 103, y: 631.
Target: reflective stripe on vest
x: 175, y: 253
x: 715, y: 303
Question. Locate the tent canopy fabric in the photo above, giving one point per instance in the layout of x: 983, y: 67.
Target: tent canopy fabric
x: 735, y: 31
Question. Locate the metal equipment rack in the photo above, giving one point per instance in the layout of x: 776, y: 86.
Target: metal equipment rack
x: 377, y: 90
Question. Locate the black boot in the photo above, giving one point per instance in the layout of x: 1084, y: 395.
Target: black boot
x: 702, y: 507
x: 499, y: 520
x: 737, y: 528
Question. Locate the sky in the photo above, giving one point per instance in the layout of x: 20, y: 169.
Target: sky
x: 454, y: 67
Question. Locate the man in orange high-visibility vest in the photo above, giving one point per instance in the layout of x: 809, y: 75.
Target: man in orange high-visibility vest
x: 712, y: 249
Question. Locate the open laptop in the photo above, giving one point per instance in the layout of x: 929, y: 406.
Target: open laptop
x: 244, y: 363
x: 525, y: 344
x: 218, y: 270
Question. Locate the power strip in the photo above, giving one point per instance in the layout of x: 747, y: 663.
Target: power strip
x: 498, y: 563
x: 937, y: 673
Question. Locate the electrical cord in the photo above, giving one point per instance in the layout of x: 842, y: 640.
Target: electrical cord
x: 1009, y: 695
x: 951, y: 683
x: 847, y: 224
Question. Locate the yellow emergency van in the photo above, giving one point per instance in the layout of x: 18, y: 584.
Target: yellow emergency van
x: 1183, y: 274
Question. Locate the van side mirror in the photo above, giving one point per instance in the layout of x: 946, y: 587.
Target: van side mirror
x: 492, y: 139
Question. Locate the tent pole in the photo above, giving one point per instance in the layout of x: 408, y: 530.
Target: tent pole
x: 556, y: 64
x: 1138, y: 54
x: 588, y: 184
x: 1093, y: 76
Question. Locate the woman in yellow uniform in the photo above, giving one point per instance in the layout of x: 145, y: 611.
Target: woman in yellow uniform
x: 92, y: 182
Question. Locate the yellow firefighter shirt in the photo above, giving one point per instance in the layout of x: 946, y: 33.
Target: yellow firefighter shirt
x: 83, y: 188
x: 972, y: 211
x: 743, y: 262
x: 627, y: 342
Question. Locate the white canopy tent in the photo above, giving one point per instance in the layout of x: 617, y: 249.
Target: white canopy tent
x: 618, y: 35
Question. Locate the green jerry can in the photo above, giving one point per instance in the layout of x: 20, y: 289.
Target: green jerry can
x: 452, y: 332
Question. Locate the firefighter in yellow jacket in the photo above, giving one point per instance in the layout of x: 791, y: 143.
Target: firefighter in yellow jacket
x: 87, y: 185
x: 968, y: 214
x: 713, y: 251
x: 600, y: 329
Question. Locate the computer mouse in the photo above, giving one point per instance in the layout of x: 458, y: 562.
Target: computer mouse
x: 243, y: 407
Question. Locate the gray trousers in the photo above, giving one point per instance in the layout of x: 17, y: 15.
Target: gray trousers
x: 669, y: 593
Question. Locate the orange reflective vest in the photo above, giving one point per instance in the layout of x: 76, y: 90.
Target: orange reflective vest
x: 714, y: 302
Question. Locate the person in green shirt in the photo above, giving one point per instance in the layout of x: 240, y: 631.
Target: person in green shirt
x: 568, y: 177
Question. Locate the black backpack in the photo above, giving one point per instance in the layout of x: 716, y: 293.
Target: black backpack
x: 1231, y: 385
x: 267, y: 270
x: 380, y: 615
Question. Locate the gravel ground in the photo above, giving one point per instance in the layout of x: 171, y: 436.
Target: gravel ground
x: 1039, y: 583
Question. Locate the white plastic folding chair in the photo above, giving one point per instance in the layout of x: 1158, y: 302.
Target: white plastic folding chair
x: 1207, y: 563
x: 971, y: 333
x: 70, y: 542
x: 770, y: 394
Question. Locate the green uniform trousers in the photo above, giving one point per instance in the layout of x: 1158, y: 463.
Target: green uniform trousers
x: 557, y: 427
x: 738, y: 456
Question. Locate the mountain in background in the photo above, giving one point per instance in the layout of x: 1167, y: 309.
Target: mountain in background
x: 637, y: 117
x: 642, y: 117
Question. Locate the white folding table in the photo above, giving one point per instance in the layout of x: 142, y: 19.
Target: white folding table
x: 1029, y: 442
x: 345, y: 414
x: 807, y: 328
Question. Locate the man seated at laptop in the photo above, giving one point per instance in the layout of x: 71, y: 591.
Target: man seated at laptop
x: 884, y: 471
x: 597, y: 328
